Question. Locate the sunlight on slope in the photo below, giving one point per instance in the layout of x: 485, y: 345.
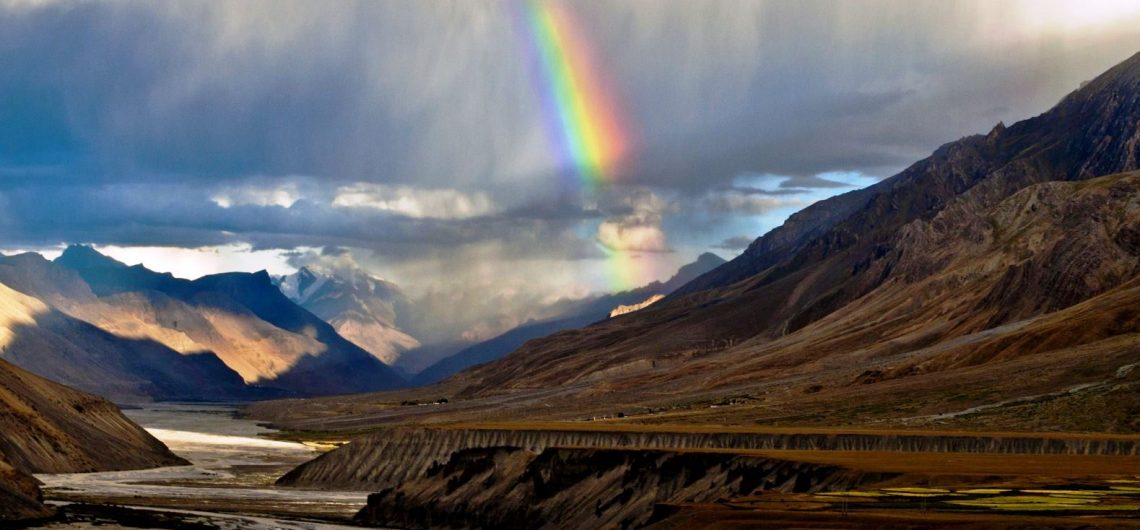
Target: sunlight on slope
x: 623, y: 309
x: 255, y: 349
x: 17, y: 309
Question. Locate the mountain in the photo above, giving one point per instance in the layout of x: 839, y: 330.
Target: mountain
x: 46, y: 427
x: 130, y: 333
x: 249, y: 323
x: 582, y: 314
x: 48, y: 341
x: 361, y: 307
x: 906, y: 288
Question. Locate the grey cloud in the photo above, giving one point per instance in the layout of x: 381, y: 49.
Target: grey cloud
x: 746, y: 190
x: 123, y: 122
x: 735, y: 243
x: 811, y: 181
x: 438, y: 93
x: 148, y: 214
x: 335, y: 252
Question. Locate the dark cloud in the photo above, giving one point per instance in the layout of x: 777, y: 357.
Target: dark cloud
x: 150, y: 214
x: 439, y: 94
x: 334, y: 252
x: 413, y: 133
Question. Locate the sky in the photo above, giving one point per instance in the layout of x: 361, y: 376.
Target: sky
x: 491, y: 157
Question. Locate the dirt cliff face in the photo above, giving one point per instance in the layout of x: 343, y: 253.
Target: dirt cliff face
x: 510, y: 487
x: 613, y: 476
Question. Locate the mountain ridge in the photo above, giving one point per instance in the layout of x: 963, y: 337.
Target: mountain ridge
x: 252, y: 340
x: 362, y: 308
x: 1092, y: 130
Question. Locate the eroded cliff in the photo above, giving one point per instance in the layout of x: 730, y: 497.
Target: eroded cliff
x: 387, y: 459
x: 510, y: 487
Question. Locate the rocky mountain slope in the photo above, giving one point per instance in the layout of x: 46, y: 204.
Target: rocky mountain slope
x: 362, y: 308
x: 629, y: 308
x: 990, y: 230
x: 576, y: 316
x: 46, y: 427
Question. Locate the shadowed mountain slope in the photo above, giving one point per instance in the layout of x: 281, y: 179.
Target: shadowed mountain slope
x: 40, y: 338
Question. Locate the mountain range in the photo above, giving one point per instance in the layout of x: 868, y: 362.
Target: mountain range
x: 129, y: 333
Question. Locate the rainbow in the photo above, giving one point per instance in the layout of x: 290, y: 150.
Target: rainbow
x: 581, y: 120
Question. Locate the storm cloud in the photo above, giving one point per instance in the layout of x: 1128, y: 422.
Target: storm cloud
x: 414, y: 133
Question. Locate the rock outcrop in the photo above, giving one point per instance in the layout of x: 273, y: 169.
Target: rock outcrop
x: 20, y: 496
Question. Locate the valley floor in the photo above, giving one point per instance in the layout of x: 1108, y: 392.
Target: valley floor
x: 661, y: 477
x: 229, y: 485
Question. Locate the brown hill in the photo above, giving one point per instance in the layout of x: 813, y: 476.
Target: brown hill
x: 46, y: 427
x: 20, y: 497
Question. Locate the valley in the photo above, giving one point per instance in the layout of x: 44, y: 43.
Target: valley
x: 446, y: 265
x: 227, y: 484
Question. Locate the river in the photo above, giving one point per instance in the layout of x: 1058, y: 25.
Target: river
x: 229, y: 484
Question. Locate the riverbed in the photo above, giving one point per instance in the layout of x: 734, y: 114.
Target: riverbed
x: 230, y: 481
